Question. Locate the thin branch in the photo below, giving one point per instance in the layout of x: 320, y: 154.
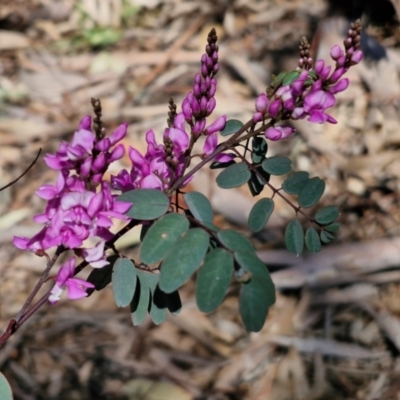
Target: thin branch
x: 24, y: 173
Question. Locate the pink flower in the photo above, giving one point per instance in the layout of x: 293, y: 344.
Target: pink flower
x: 279, y: 132
x: 76, y: 288
x: 315, y: 105
x: 94, y: 256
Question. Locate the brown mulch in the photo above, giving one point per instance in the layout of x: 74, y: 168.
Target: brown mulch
x: 334, y: 332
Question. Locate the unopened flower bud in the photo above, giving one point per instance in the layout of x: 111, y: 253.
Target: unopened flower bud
x: 262, y: 103
x: 257, y: 117
x: 339, y: 86
x: 273, y: 108
x: 357, y: 57
x: 210, y: 106
x: 119, y: 133
x: 217, y: 125
x: 336, y: 52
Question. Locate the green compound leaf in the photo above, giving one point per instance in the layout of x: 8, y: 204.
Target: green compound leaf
x: 147, y: 204
x: 332, y: 227
x: 257, y: 295
x: 213, y: 279
x: 327, y: 215
x: 312, y: 74
x: 143, y: 230
x: 174, y: 303
x: 123, y: 281
x: 326, y: 237
x: 158, y: 302
x: 311, y: 192
x: 233, y: 176
x: 220, y: 165
x: 232, y: 126
x: 277, y: 165
x: 277, y: 80
x: 290, y: 78
x: 199, y: 206
x: 235, y: 241
x: 100, y: 277
x: 260, y: 214
x: 294, y: 236
x: 5, y: 389
x: 161, y: 236
x: 183, y: 259
x: 254, y: 184
x: 295, y: 182
x: 259, y: 149
x: 262, y: 176
x: 140, y: 301
x: 313, y: 242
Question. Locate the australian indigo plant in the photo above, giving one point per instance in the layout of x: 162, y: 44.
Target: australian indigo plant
x: 177, y: 241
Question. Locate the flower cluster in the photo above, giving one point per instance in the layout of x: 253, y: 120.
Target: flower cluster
x: 313, y: 90
x: 163, y: 163
x: 80, y: 205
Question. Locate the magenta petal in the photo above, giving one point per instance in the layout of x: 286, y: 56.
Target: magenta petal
x: 135, y: 156
x: 86, y: 122
x: 179, y: 121
x: 317, y: 117
x: 53, y: 162
x: 119, y: 133
x: 262, y: 103
x: 121, y: 206
x: 151, y: 182
x: 319, y: 66
x: 117, y: 153
x: 83, y: 138
x: 336, y: 52
x: 55, y: 294
x: 210, y: 144
x: 223, y: 157
x: 77, y: 288
x: 96, y: 204
x: 21, y: 242
x: 273, y: 108
x: 340, y: 86
x: 180, y: 139
x: 217, y: 125
x: 273, y: 133
x: 46, y: 192
x: 66, y: 272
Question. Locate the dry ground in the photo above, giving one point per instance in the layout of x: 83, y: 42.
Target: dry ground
x: 334, y: 332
